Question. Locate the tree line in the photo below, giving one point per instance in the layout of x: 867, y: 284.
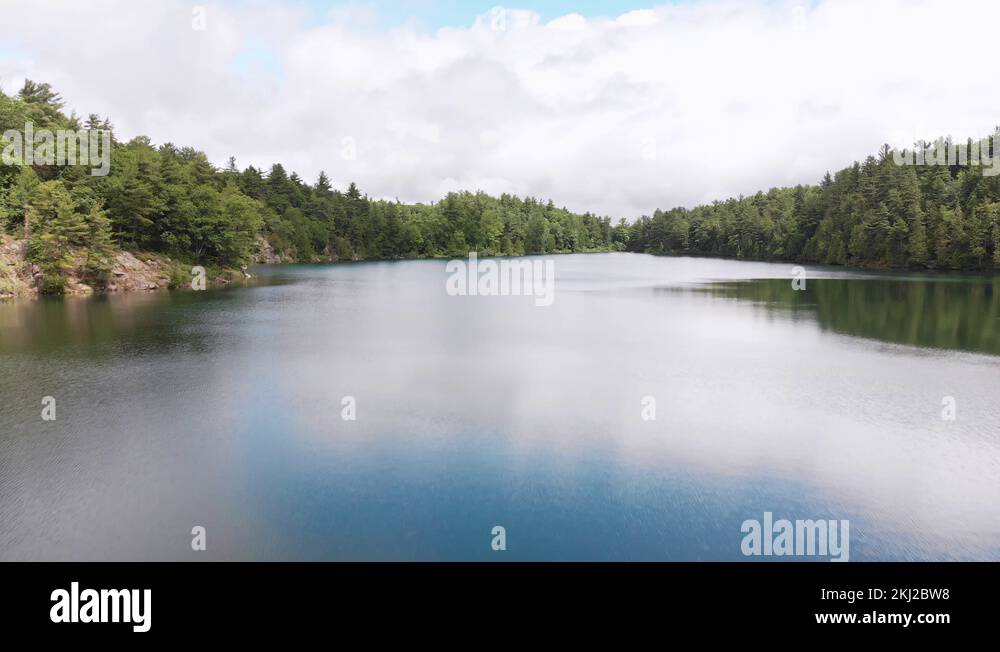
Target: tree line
x: 876, y: 214
x: 172, y: 200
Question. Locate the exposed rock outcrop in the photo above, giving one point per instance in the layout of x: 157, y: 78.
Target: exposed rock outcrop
x: 17, y: 277
x: 266, y: 255
x: 130, y: 272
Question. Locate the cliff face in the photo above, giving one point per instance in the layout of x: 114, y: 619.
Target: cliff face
x: 20, y: 278
x: 266, y: 255
x: 132, y: 273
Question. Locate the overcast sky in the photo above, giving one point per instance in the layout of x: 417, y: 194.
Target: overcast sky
x: 618, y: 109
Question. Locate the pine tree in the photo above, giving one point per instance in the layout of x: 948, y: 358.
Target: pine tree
x: 57, y: 230
x: 98, y: 246
x: 44, y: 105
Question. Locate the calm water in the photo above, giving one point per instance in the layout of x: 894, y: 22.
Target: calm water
x: 223, y: 409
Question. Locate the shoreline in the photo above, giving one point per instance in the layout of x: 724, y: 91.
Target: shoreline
x: 155, y: 272
x: 131, y: 271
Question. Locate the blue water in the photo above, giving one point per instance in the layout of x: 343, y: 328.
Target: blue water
x: 222, y: 409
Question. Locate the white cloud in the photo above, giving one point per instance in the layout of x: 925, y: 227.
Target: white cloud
x: 730, y: 96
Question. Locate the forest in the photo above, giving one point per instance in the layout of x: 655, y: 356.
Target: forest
x: 875, y: 214
x: 172, y: 200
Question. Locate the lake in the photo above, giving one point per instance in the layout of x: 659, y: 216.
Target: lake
x: 224, y: 409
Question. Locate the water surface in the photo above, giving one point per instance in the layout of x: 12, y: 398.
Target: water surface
x: 223, y: 409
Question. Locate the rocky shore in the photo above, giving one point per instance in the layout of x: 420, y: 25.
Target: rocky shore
x: 130, y: 272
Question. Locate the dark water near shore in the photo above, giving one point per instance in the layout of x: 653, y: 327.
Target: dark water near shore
x: 222, y: 409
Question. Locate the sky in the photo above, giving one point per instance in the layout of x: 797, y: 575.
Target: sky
x: 435, y: 14
x: 617, y: 108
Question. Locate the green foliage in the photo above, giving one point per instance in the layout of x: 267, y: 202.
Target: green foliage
x: 15, y: 197
x: 172, y: 201
x: 70, y: 234
x: 98, y: 250
x: 12, y: 117
x: 44, y: 106
x: 179, y: 277
x: 315, y: 222
x: 55, y: 228
x: 872, y: 214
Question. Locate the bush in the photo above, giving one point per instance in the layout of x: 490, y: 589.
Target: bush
x: 53, y: 283
x: 179, y: 277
